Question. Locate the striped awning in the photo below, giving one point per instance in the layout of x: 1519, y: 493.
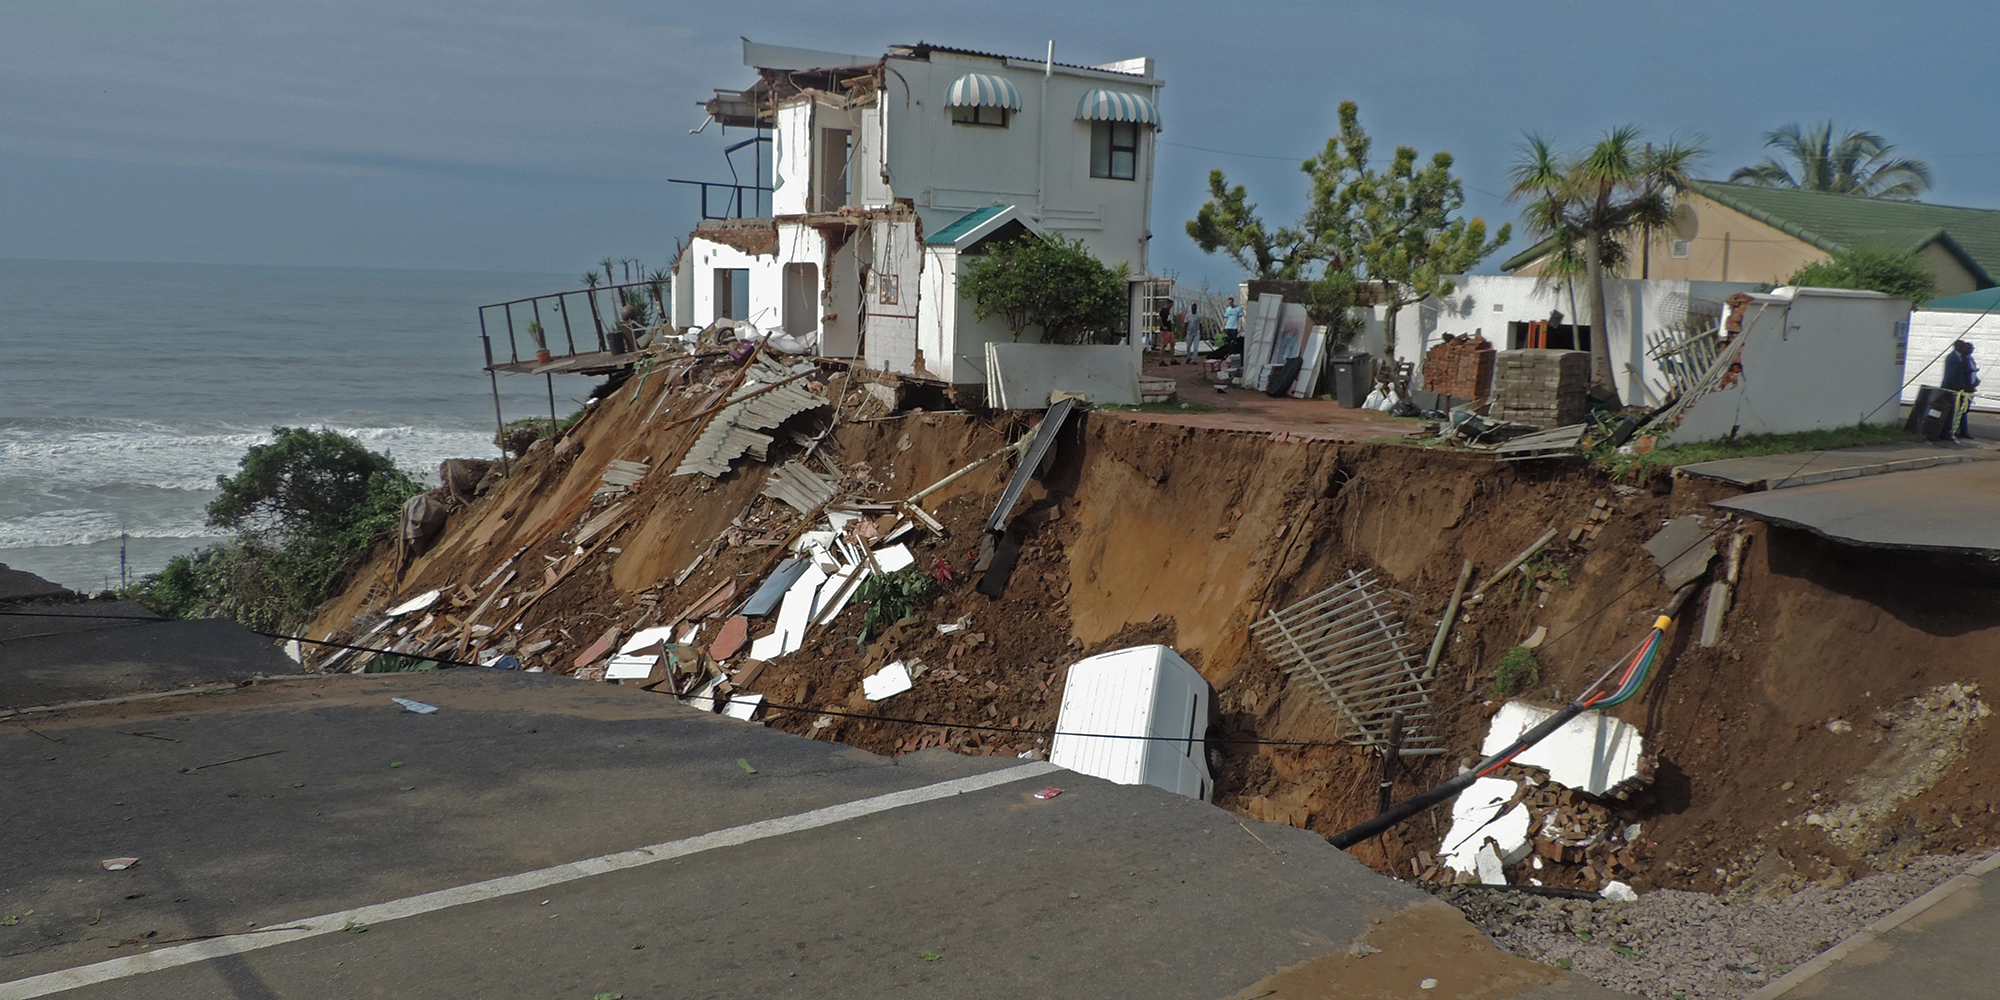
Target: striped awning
x: 1116, y: 106
x: 980, y: 90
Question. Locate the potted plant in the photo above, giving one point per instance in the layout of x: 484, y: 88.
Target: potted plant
x: 541, y: 339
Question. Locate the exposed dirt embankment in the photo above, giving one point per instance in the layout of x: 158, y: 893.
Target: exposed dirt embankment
x: 1825, y: 689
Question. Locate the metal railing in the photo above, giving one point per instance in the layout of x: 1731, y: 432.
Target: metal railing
x: 734, y: 207
x: 601, y: 327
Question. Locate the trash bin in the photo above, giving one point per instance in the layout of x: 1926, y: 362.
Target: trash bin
x: 1352, y: 373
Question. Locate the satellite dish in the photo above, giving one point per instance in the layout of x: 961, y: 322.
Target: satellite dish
x: 1685, y: 225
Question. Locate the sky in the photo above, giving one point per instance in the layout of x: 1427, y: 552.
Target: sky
x: 516, y: 136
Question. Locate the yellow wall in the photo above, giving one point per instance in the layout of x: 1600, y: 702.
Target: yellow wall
x: 1730, y: 246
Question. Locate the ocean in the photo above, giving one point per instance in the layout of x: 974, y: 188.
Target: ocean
x: 126, y: 389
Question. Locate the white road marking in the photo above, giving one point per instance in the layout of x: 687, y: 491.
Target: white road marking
x: 334, y: 923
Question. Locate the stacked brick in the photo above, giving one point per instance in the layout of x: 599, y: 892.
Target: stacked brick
x: 1460, y: 366
x: 1541, y: 387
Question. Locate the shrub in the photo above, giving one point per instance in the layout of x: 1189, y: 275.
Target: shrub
x: 1899, y: 274
x: 891, y: 597
x: 1052, y: 283
x: 306, y: 507
x: 1518, y: 671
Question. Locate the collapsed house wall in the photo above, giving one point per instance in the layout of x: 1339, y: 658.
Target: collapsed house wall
x: 1153, y: 533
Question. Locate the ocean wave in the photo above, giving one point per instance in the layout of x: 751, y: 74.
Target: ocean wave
x: 87, y: 454
x: 54, y: 528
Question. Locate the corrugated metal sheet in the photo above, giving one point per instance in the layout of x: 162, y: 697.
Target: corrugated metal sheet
x: 734, y: 431
x: 799, y: 486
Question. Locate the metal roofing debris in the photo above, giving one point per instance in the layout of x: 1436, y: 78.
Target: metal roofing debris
x: 619, y: 472
x: 597, y: 524
x: 773, y: 589
x: 799, y: 486
x: 1349, y: 647
x: 1591, y: 753
x: 734, y: 431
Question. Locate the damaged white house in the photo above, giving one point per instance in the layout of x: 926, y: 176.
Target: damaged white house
x: 879, y: 176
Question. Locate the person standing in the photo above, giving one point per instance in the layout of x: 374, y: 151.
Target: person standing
x: 1194, y: 331
x: 1163, y: 333
x: 1961, y: 377
x: 1232, y: 320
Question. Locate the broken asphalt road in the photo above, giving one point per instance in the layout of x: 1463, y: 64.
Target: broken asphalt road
x: 543, y: 837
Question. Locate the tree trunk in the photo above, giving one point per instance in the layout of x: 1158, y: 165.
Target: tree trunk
x: 1389, y: 330
x: 1600, y: 336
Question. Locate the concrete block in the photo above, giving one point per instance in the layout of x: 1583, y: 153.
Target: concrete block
x: 1593, y: 753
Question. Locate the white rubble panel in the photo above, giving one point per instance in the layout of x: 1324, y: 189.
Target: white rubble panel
x: 797, y: 611
x: 895, y: 557
x: 887, y: 682
x: 1592, y: 753
x: 631, y: 668
x: 1476, y: 815
x: 417, y: 603
x: 646, y: 637
x: 743, y: 706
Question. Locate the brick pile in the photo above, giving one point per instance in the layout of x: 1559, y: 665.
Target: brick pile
x: 1460, y: 366
x: 1541, y: 387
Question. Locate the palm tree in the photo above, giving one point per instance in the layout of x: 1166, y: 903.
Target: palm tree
x: 1589, y: 205
x: 609, y: 277
x: 596, y: 318
x: 1858, y: 164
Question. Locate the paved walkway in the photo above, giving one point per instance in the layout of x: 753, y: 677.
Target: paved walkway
x: 1773, y: 472
x: 1250, y: 410
x: 543, y: 837
x: 1939, y: 947
x: 108, y: 649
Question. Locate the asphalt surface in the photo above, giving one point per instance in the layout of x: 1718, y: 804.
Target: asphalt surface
x: 261, y: 807
x: 1948, y: 508
x: 103, y: 649
x: 1765, y: 472
x: 1940, y: 946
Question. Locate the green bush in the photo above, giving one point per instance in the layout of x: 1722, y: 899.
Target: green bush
x: 1518, y: 671
x: 306, y: 508
x: 891, y: 597
x: 1900, y: 274
x: 1052, y: 283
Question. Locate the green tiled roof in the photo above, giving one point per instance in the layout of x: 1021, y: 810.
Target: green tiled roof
x: 964, y: 224
x: 1835, y: 222
x: 1979, y: 301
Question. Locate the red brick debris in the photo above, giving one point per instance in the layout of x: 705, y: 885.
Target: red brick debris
x: 1460, y: 366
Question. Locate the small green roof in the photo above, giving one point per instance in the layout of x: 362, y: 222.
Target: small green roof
x: 964, y: 224
x: 1979, y: 301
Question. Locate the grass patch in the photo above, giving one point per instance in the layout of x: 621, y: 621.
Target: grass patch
x: 1518, y: 671
x: 1750, y: 445
x: 1167, y: 407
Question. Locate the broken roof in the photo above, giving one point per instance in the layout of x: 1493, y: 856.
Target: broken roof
x: 978, y: 225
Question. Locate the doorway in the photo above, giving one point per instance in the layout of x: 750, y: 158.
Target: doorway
x: 801, y: 300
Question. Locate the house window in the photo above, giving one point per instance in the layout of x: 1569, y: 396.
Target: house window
x: 1681, y: 248
x: 996, y: 117
x: 1114, y: 150
x: 889, y: 288
x: 732, y: 293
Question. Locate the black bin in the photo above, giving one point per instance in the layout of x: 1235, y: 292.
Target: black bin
x: 1353, y: 375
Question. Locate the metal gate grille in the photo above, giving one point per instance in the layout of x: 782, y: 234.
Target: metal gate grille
x: 1351, y: 649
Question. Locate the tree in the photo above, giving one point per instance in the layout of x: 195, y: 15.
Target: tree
x: 304, y: 482
x: 1229, y: 224
x: 1396, y: 227
x: 1052, y: 283
x: 1858, y: 164
x: 1900, y: 274
x: 1405, y: 235
x: 1589, y: 205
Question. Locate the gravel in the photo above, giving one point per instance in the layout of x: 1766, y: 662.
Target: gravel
x: 1674, y: 945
